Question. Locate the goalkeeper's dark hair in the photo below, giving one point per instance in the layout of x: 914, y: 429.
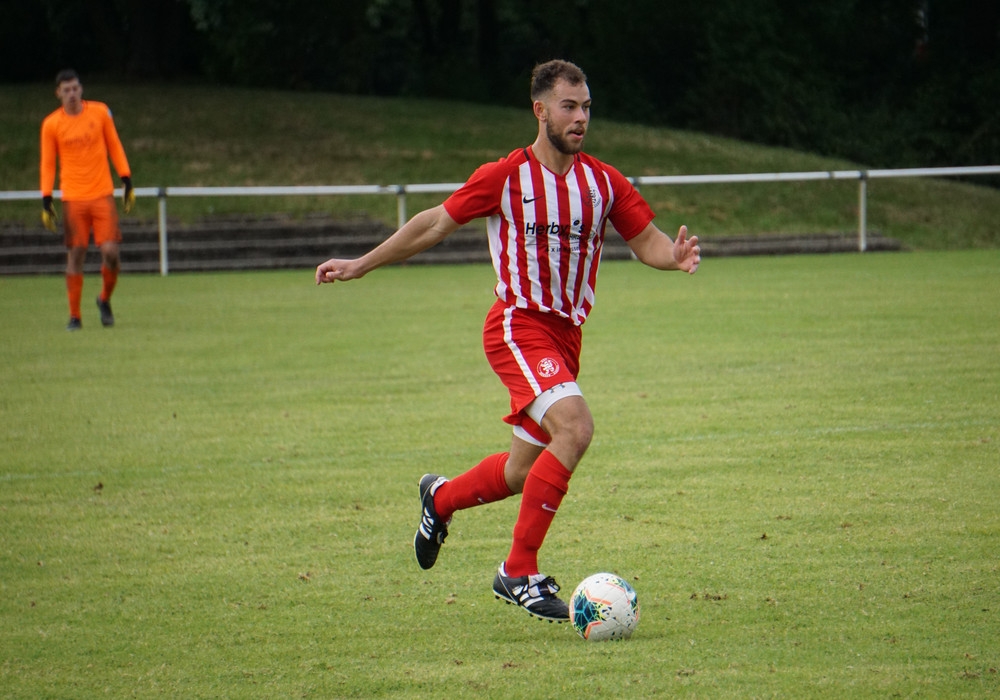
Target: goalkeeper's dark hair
x: 66, y: 75
x: 546, y: 75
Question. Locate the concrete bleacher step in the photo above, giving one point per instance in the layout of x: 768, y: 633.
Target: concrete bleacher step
x: 276, y: 243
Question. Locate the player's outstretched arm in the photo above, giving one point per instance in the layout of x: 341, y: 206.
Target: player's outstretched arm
x: 424, y: 230
x: 654, y: 248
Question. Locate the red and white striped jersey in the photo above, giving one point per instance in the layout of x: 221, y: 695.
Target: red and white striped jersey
x: 546, y: 230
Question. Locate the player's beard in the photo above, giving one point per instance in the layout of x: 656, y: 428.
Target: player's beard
x: 561, y: 143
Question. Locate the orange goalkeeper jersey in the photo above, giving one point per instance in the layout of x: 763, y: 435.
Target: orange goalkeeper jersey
x: 82, y: 144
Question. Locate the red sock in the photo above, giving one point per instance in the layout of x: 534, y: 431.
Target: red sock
x: 484, y: 483
x: 74, y: 290
x: 544, y: 489
x: 110, y: 278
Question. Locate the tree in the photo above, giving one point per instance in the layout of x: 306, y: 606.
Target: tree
x: 884, y: 82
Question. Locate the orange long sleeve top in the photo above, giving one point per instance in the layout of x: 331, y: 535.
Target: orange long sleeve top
x: 82, y: 144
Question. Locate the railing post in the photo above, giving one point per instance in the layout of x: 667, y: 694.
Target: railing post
x: 863, y: 212
x: 161, y: 207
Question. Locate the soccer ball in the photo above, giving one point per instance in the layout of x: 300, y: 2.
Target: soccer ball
x: 604, y: 606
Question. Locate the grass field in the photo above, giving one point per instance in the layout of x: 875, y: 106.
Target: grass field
x: 795, y: 464
x: 180, y: 135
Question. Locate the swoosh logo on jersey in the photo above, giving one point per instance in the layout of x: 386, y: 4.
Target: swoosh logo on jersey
x: 529, y: 201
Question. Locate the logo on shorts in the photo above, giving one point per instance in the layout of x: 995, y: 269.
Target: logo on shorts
x: 547, y: 367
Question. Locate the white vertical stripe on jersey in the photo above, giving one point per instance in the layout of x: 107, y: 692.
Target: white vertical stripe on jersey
x: 596, y: 240
x: 573, y: 281
x: 497, y: 248
x: 516, y: 352
x: 555, y: 287
x: 529, y: 288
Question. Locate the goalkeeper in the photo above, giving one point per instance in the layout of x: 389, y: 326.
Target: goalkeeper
x: 81, y: 135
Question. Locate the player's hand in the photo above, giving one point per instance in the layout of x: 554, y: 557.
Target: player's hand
x: 335, y: 270
x: 128, y: 198
x: 687, y: 252
x: 49, y: 218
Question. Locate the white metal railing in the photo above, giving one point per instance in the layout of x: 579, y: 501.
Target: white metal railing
x: 400, y: 191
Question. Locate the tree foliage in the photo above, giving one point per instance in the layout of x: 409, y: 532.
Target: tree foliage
x: 884, y: 82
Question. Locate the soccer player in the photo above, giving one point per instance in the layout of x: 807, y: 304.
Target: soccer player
x: 81, y: 135
x: 547, y: 206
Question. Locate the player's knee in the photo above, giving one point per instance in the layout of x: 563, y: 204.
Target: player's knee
x: 572, y: 425
x: 110, y: 257
x: 581, y: 432
x: 75, y: 257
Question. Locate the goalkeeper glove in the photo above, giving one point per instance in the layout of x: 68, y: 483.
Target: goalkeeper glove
x: 128, y: 199
x: 49, y: 217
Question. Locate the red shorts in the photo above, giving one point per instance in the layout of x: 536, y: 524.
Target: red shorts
x: 97, y: 215
x: 531, y: 352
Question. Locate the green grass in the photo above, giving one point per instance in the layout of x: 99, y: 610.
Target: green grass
x: 795, y: 464
x: 208, y: 136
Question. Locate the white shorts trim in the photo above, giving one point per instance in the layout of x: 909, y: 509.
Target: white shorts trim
x: 523, y: 434
x: 543, y: 402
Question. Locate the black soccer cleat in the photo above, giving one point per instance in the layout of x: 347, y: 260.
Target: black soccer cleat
x: 536, y: 594
x: 432, y: 531
x: 74, y: 324
x: 107, y: 318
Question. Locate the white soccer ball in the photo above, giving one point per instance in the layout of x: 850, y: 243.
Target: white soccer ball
x: 604, y: 606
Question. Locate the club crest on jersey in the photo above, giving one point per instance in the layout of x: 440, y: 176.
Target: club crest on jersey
x: 547, y: 367
x: 593, y: 197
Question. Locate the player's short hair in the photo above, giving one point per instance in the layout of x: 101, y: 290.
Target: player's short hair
x: 546, y: 75
x: 65, y: 76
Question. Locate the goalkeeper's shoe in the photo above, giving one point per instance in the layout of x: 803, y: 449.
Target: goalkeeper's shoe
x: 432, y: 530
x: 536, y: 594
x: 107, y: 318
